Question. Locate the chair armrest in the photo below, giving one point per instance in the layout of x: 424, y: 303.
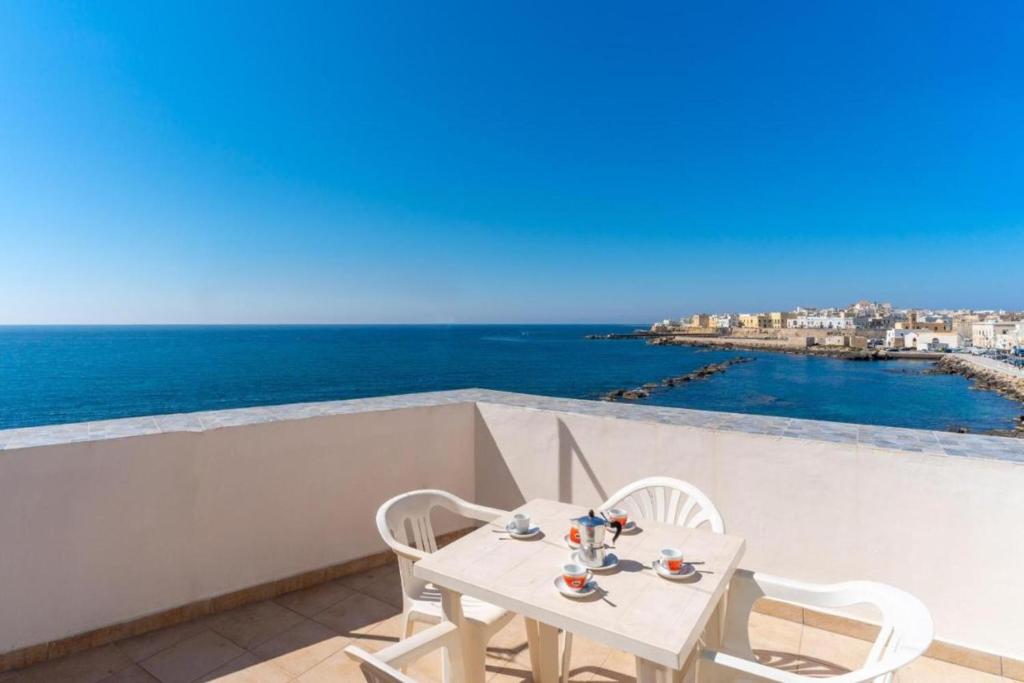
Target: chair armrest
x: 481, y: 513
x: 400, y: 549
x: 753, y: 668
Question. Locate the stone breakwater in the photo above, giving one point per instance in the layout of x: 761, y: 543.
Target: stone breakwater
x: 983, y: 378
x: 700, y: 373
x: 989, y: 380
x: 784, y: 346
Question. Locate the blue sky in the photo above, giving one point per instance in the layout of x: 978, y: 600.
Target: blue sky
x: 489, y: 162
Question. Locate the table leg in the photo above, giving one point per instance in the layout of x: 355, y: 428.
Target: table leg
x: 467, y: 659
x: 543, y: 643
x: 649, y: 672
x: 712, y: 640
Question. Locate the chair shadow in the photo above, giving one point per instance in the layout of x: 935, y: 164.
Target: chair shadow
x: 568, y: 448
x: 576, y: 675
x: 811, y: 667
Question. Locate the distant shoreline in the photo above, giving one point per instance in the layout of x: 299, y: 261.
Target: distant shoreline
x: 775, y: 345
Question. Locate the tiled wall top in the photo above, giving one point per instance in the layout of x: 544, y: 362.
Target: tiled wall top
x: 911, y: 440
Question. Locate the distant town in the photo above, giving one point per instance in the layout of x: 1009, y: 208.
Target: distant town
x: 863, y: 326
x: 987, y: 347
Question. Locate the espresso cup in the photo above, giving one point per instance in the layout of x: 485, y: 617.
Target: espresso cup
x: 521, y: 522
x: 672, y: 559
x: 575, y: 576
x: 618, y: 515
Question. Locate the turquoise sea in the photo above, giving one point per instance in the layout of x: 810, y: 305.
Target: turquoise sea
x: 52, y: 375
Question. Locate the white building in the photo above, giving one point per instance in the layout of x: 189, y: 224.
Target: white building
x: 724, y: 321
x: 993, y: 334
x: 929, y: 340
x: 821, y: 321
x: 923, y: 340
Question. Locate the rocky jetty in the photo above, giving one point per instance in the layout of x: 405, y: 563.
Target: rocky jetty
x: 636, y: 334
x: 700, y: 373
x: 982, y: 378
x: 757, y: 344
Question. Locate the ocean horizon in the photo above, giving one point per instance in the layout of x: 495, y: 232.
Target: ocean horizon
x: 74, y: 373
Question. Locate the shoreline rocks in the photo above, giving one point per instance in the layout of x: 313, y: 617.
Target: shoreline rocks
x: 738, y: 344
x: 981, y: 378
x: 645, y: 390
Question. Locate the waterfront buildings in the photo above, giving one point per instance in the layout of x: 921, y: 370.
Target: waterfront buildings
x: 724, y: 321
x: 700, y: 320
x: 755, y: 321
x: 994, y: 334
x: 823, y: 320
x: 862, y: 325
x: 923, y: 340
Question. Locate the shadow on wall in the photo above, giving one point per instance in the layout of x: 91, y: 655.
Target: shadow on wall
x: 498, y: 488
x: 496, y: 485
x: 569, y: 450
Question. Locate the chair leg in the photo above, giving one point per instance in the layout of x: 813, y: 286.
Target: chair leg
x: 407, y: 625
x: 566, y: 657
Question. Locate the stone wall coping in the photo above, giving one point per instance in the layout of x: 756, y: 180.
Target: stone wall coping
x: 876, y: 436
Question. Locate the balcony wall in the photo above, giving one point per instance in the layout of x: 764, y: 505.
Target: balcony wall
x: 105, y: 530
x: 111, y: 521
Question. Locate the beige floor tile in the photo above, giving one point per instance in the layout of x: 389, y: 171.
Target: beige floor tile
x: 192, y: 658
x: 387, y: 589
x: 364, y: 579
x: 254, y: 624
x: 924, y: 670
x: 618, y: 667
x: 824, y: 653
x: 588, y: 660
x: 427, y: 669
x: 772, y: 638
x: 384, y: 633
x: 247, y: 669
x: 316, y: 599
x: 356, y: 615
x: 509, y: 672
x: 509, y: 644
x: 148, y: 644
x: 133, y: 674
x: 90, y: 666
x: 338, y: 668
x: 301, y: 647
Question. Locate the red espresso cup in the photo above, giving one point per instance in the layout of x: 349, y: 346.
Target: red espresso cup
x: 618, y: 515
x: 574, y: 534
x: 575, y: 576
x: 672, y: 559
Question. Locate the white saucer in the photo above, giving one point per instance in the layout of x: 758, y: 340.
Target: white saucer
x: 588, y: 589
x: 688, y: 571
x: 611, y: 561
x: 570, y: 543
x: 531, y: 532
x: 630, y: 528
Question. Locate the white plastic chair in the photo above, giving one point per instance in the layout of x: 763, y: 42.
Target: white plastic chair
x: 669, y: 501
x: 659, y: 499
x: 906, y: 630
x: 385, y: 666
x: 404, y: 524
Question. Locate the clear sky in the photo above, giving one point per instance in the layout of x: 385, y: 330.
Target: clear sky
x: 489, y: 162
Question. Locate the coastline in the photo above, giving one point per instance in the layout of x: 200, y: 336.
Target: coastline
x: 984, y: 376
x: 777, y: 345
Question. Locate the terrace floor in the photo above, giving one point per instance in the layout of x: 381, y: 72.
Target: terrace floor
x: 300, y: 637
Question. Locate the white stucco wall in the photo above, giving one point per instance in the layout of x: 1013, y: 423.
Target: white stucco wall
x: 99, y: 532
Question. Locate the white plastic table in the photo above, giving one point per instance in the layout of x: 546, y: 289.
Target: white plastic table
x: 636, y: 611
